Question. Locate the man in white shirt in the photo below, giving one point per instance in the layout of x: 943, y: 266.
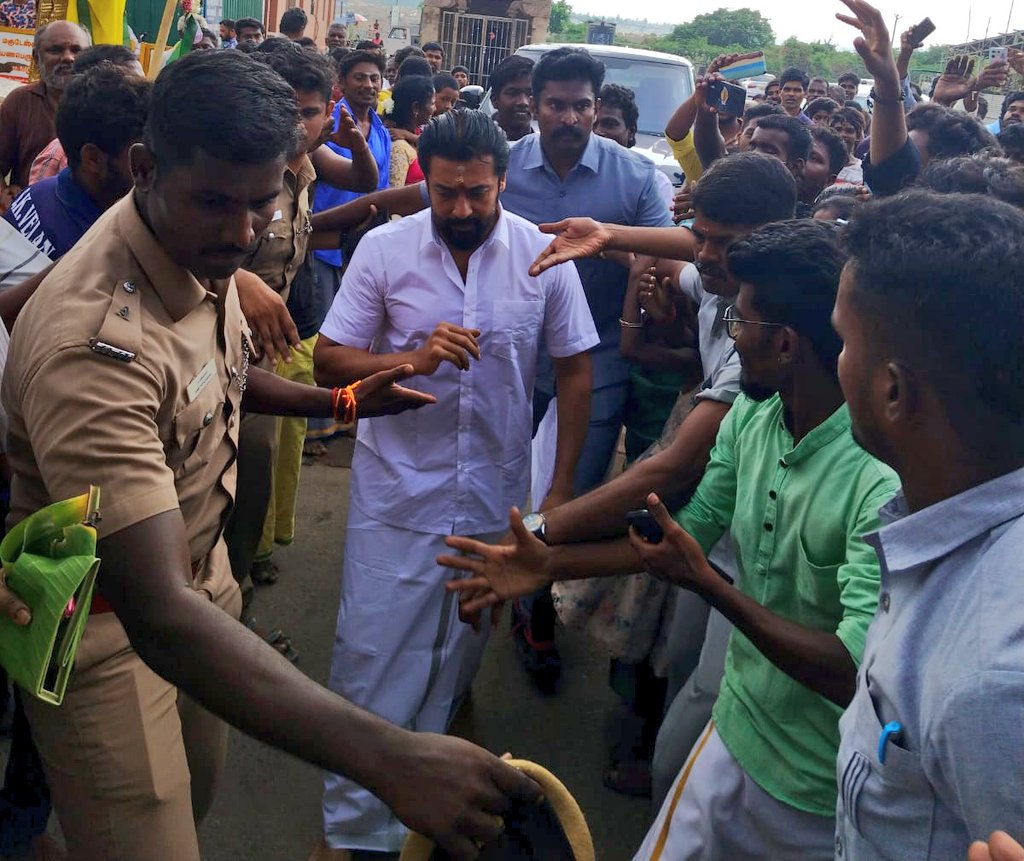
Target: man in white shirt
x: 447, y: 291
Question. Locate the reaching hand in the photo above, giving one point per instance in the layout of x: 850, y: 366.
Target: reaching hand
x: 656, y: 297
x: 874, y: 44
x: 499, y: 572
x: 677, y: 558
x: 453, y: 792
x: 682, y: 204
x: 378, y: 394
x: 993, y: 75
x: 956, y: 82
x: 347, y: 134
x: 575, y: 238
x: 723, y: 60
x: 267, y: 315
x: 1000, y: 847
x: 1015, y: 57
x: 11, y: 606
x: 448, y: 343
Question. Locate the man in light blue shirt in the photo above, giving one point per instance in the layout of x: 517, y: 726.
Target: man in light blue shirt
x: 564, y: 171
x: 931, y: 754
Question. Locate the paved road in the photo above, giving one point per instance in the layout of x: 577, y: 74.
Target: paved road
x: 268, y: 807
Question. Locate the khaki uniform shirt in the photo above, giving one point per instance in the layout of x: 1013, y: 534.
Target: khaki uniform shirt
x: 281, y: 248
x: 124, y: 372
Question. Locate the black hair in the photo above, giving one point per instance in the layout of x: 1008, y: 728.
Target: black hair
x: 273, y: 44
x: 354, y: 58
x: 306, y: 42
x: 304, y: 71
x: 794, y: 268
x: 765, y: 109
x: 796, y: 130
x: 849, y: 76
x: 1011, y: 139
x: 416, y: 67
x: 955, y: 133
x: 747, y: 189
x: 246, y: 47
x: 367, y: 45
x: 568, y: 64
x: 402, y: 54
x: 1016, y: 96
x: 462, y: 135
x: 104, y: 107
x: 410, y: 90
x: 623, y: 98
x: 794, y: 74
x: 227, y: 22
x: 818, y: 78
x: 923, y: 117
x: 842, y: 200
x: 512, y: 68
x: 850, y: 115
x: 838, y: 154
x: 253, y: 120
x: 462, y: 69
x: 337, y: 55
x: 293, y: 20
x: 444, y: 81
x: 938, y: 281
x: 98, y: 55
x: 1000, y: 178
x: 432, y: 46
x: 249, y: 24
x: 821, y: 104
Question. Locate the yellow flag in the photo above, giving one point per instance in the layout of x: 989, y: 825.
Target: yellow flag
x: 104, y: 19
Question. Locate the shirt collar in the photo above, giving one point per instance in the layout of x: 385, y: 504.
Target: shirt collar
x: 177, y: 288
x: 303, y: 177
x: 375, y: 120
x: 908, y: 540
x: 75, y: 198
x: 535, y: 158
x: 834, y: 426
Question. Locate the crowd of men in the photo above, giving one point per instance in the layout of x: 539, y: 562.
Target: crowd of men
x: 802, y: 576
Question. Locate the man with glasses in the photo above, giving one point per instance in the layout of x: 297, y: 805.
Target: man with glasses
x: 798, y: 494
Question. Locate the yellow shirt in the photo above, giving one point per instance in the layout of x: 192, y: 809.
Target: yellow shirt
x: 686, y: 155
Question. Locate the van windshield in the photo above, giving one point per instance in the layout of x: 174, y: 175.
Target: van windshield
x: 659, y: 87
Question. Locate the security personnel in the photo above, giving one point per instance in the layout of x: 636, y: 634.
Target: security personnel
x: 128, y: 370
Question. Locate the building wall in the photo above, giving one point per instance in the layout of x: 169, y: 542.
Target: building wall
x: 320, y: 12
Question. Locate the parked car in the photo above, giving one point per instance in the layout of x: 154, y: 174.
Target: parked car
x: 757, y: 85
x: 660, y: 81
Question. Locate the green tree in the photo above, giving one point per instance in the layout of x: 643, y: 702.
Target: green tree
x: 560, y: 13
x: 746, y: 29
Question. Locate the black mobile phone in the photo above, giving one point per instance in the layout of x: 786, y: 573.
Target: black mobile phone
x: 727, y: 98
x: 643, y: 522
x: 921, y: 32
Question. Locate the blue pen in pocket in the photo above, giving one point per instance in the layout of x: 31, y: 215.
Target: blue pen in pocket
x: 891, y: 729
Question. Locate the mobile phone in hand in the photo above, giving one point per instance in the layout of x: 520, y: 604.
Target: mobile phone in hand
x: 998, y: 55
x: 643, y: 522
x: 749, y: 68
x: 920, y: 32
x: 727, y: 98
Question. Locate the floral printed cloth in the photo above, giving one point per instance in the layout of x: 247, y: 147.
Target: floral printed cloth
x: 19, y: 16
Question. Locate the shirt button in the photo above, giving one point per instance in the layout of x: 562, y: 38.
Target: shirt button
x: 885, y: 601
x: 839, y: 846
x: 207, y: 419
x: 128, y: 287
x: 783, y: 463
x: 772, y: 494
x: 561, y: 194
x: 768, y: 527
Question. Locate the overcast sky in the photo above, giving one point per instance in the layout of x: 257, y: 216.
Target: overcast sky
x: 816, y: 19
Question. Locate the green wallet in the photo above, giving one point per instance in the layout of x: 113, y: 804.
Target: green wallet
x: 49, y: 561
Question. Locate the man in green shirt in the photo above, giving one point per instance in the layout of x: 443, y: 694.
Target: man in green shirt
x: 798, y: 494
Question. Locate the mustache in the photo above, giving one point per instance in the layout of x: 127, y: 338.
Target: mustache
x: 711, y: 271
x: 568, y: 132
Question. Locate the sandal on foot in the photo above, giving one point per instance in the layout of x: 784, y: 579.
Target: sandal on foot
x: 264, y: 572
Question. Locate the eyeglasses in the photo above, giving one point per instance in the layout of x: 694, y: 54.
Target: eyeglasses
x: 733, y: 323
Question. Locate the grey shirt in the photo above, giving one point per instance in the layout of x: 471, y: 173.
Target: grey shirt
x: 944, y: 658
x: 718, y: 356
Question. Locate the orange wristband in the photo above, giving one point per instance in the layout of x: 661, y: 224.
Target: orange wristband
x: 343, y: 403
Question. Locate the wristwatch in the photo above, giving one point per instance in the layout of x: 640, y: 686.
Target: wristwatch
x: 537, y: 524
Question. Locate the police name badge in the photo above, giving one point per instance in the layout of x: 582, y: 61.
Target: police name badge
x: 201, y: 380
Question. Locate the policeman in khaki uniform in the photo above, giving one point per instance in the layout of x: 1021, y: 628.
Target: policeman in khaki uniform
x: 128, y: 370
x: 276, y: 258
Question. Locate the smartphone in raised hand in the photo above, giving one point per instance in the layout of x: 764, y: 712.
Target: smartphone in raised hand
x: 920, y: 32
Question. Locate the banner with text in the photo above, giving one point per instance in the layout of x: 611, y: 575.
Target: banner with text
x: 15, y: 53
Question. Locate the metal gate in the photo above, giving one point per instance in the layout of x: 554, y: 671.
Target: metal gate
x: 480, y: 42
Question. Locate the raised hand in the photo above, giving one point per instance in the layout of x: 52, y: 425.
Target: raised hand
x: 656, y: 298
x: 498, y: 572
x: 575, y: 238
x: 1015, y: 57
x: 993, y: 75
x: 346, y: 133
x: 453, y: 792
x: 378, y: 394
x: 1000, y: 847
x: 267, y: 315
x: 723, y: 60
x: 448, y: 343
x: 956, y: 82
x: 11, y: 606
x: 874, y: 44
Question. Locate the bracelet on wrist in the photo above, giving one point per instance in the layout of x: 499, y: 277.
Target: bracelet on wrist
x: 343, y: 403
x: 628, y: 324
x: 879, y: 100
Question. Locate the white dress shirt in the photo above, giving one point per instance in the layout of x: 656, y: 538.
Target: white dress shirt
x: 456, y: 466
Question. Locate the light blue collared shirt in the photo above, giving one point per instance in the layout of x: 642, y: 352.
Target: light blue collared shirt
x: 944, y: 657
x: 610, y: 184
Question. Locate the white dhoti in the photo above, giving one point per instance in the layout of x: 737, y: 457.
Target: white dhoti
x: 400, y: 652
x: 715, y: 812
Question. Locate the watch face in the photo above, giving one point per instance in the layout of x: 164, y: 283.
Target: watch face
x: 533, y: 521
